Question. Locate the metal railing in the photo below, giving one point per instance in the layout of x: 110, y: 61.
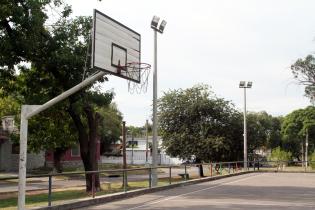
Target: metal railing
x: 172, y: 174
x: 169, y: 174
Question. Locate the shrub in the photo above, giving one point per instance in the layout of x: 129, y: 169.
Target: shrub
x: 279, y: 157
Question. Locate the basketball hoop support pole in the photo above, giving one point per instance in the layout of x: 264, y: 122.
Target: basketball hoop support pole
x: 29, y: 111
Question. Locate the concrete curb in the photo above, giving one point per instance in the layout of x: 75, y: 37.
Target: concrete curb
x: 287, y: 172
x: 80, y: 203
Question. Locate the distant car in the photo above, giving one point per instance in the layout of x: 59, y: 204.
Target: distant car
x: 189, y: 162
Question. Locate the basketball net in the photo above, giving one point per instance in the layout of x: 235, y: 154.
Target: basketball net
x: 133, y: 71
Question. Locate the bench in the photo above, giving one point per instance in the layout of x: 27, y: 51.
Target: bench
x: 184, y: 176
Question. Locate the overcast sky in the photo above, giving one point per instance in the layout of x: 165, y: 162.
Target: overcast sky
x: 219, y: 43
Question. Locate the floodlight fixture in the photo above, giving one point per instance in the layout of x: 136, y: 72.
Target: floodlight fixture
x: 242, y: 84
x: 155, y: 22
x: 249, y: 84
x: 162, y: 26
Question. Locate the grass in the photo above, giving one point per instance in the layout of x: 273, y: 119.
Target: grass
x: 65, y: 195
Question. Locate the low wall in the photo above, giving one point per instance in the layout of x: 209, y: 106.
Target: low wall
x: 33, y: 161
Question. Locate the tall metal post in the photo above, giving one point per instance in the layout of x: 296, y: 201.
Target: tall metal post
x: 132, y: 142
x: 124, y: 153
x: 303, y: 154
x: 306, y: 149
x: 154, y: 139
x: 147, y: 141
x: 245, y: 132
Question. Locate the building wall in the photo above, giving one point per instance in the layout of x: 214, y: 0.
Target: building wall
x: 33, y: 161
x: 10, y: 162
x: 69, y: 159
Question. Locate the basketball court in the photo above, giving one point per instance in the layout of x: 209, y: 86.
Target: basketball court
x: 249, y: 191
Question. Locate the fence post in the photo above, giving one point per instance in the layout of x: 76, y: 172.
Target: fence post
x: 185, y: 173
x: 93, y: 185
x: 49, y: 189
x: 220, y: 168
x: 211, y: 169
x: 170, y: 177
x: 150, y: 177
x: 125, y: 180
x: 229, y: 168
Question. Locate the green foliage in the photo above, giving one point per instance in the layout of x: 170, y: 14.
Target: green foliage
x: 110, y: 128
x: 8, y: 106
x: 304, y: 71
x: 23, y: 36
x: 279, y: 155
x: 196, y: 123
x: 293, y: 130
x: 263, y: 130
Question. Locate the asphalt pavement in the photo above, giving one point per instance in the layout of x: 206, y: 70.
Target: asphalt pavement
x: 266, y: 191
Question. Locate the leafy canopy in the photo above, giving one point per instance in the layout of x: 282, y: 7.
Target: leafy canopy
x: 196, y: 123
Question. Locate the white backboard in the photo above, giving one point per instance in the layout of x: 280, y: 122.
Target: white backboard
x: 114, y: 45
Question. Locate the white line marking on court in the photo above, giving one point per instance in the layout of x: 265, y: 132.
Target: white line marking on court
x: 208, y: 188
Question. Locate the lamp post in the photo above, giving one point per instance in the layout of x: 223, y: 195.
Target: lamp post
x: 157, y: 27
x: 245, y: 85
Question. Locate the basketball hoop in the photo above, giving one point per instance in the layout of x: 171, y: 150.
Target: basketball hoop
x: 136, y: 70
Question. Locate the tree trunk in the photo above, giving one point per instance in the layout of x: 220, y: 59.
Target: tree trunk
x: 88, y: 144
x: 58, y: 153
x: 201, y: 174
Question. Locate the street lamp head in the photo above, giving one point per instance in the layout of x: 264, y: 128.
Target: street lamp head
x: 155, y: 22
x: 249, y: 84
x: 242, y: 84
x: 162, y: 26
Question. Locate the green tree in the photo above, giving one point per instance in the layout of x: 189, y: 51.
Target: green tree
x: 263, y: 131
x: 58, y: 56
x: 304, y: 71
x: 8, y: 106
x: 294, y: 127
x: 196, y: 123
x: 110, y: 127
x: 280, y: 157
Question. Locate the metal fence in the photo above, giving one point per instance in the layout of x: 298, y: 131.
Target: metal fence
x: 127, y: 179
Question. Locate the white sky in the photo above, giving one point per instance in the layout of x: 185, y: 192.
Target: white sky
x: 219, y: 43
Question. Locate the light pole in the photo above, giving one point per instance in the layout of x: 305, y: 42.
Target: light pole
x: 245, y: 85
x: 156, y: 28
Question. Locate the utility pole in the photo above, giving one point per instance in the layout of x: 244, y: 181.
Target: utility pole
x: 124, y: 151
x: 245, y: 132
x: 245, y: 85
x: 306, y: 149
x: 157, y: 27
x: 132, y: 142
x: 147, y: 141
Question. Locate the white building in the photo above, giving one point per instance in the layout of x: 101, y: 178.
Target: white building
x: 137, y: 153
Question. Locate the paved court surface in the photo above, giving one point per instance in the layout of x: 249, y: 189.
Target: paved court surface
x: 250, y: 191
